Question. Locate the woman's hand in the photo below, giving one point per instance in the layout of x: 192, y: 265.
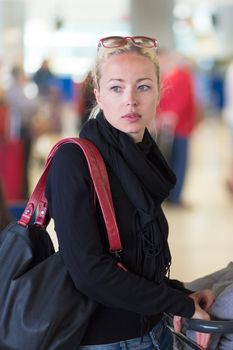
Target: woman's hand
x: 203, y: 301
x: 204, y: 298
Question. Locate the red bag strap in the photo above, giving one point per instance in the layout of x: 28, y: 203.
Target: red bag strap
x: 100, y: 180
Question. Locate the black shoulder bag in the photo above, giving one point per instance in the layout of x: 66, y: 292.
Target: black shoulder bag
x: 40, y: 308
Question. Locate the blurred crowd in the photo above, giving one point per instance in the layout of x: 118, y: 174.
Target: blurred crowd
x: 31, y: 106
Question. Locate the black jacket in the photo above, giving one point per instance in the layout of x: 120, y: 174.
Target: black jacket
x: 123, y: 296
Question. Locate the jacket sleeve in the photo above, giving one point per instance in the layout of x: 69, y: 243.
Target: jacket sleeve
x: 92, y: 269
x: 178, y: 285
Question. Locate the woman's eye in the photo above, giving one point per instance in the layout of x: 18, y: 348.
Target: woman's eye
x: 115, y: 88
x: 143, y: 87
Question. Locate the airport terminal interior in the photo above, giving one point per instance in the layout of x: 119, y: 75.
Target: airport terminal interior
x: 63, y: 34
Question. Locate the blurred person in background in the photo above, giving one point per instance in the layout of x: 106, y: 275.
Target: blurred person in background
x: 178, y: 110
x: 22, y: 108
x: 49, y: 117
x: 44, y: 79
x: 228, y: 116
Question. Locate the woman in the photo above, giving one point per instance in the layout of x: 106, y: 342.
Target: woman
x: 131, y: 304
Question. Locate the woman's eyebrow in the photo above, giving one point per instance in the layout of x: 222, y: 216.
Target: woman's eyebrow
x: 141, y: 79
x: 115, y: 79
x: 122, y: 80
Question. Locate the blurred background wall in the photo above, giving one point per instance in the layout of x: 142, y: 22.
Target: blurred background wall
x: 66, y: 31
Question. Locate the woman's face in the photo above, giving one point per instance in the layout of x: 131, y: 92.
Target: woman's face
x: 128, y: 93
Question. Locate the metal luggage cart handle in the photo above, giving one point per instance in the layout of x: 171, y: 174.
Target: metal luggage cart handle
x: 218, y: 326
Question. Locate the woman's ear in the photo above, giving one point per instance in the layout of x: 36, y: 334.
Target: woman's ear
x: 98, y: 98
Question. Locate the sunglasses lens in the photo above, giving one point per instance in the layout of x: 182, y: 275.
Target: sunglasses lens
x: 113, y: 41
x: 144, y: 41
x: 118, y: 41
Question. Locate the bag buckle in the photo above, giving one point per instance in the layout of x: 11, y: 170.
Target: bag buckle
x: 42, y: 210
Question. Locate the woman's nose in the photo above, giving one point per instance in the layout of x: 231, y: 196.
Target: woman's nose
x: 132, y: 98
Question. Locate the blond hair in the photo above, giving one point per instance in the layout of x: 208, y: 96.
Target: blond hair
x: 105, y: 53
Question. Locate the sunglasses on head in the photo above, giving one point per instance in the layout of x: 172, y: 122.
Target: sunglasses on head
x: 112, y: 42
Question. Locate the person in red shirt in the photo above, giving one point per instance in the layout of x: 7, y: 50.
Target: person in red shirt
x: 178, y: 107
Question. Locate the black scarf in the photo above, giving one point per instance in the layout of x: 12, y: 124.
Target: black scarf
x: 147, y: 180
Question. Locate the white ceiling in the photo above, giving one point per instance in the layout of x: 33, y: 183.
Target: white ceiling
x: 197, y: 3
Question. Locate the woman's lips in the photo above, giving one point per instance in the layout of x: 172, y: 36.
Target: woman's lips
x: 132, y: 117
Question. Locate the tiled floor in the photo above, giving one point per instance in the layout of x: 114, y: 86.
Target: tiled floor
x: 201, y: 237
